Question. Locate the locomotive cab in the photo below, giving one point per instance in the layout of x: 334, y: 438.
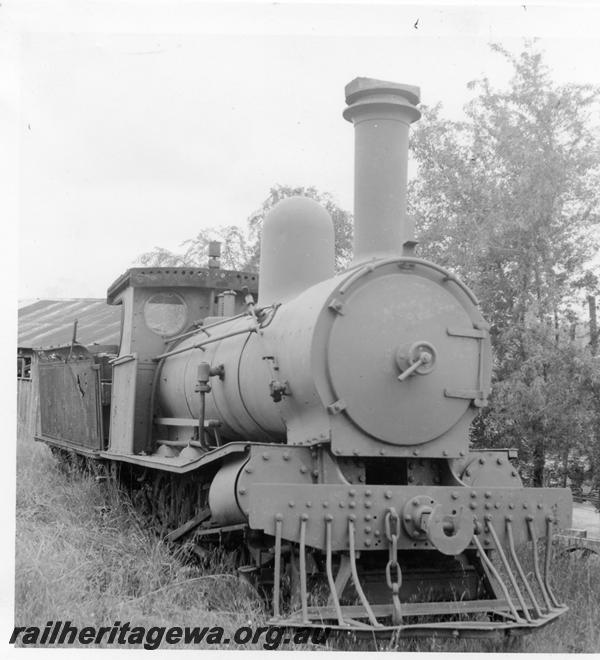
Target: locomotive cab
x: 159, y: 306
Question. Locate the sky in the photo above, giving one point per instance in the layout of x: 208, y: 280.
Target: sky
x: 136, y: 124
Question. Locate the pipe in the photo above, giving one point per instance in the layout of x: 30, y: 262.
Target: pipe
x: 381, y: 113
x: 201, y: 344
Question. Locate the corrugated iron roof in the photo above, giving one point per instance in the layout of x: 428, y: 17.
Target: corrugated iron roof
x: 47, y: 323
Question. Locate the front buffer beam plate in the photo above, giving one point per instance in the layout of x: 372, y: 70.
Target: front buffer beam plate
x: 367, y: 505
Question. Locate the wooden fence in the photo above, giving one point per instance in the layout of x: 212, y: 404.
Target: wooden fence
x: 27, y: 405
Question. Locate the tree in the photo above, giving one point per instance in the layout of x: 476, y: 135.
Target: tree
x: 237, y: 250
x: 508, y: 198
x: 240, y: 246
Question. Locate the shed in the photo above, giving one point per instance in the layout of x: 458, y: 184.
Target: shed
x: 49, y: 324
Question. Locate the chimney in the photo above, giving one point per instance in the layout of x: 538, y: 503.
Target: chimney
x: 214, y: 254
x: 381, y: 113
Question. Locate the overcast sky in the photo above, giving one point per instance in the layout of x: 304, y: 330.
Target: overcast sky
x: 139, y: 123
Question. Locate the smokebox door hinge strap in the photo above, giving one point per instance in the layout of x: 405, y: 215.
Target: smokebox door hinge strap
x: 476, y: 395
x: 479, y: 395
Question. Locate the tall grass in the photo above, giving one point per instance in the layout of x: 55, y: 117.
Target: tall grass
x: 83, y: 555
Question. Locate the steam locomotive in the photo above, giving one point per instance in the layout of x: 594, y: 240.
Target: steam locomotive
x: 323, y: 428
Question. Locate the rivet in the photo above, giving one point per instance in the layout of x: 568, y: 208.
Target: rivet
x: 362, y: 478
x: 473, y: 505
x: 265, y: 457
x: 368, y: 517
x: 487, y: 517
x: 388, y: 494
x: 304, y: 469
x: 368, y: 493
x: 341, y: 505
x: 529, y: 517
x: 352, y: 505
x: 315, y: 473
x: 486, y: 542
x: 416, y: 452
x: 415, y: 503
x: 355, y: 452
x: 368, y: 505
x: 248, y: 470
x: 511, y: 506
x: 509, y: 518
x: 325, y: 504
x: 286, y: 456
x: 304, y: 516
x: 540, y: 505
x: 454, y: 495
x: 461, y: 454
x: 482, y: 461
x: 367, y: 530
x: 487, y: 494
x: 497, y: 505
x: 488, y: 505
x: 242, y: 491
x: 352, y: 517
x: 473, y: 494
x: 278, y: 517
x: 514, y: 473
x: 308, y: 505
x: 382, y: 452
x: 377, y: 532
x: 329, y: 517
x: 367, y: 542
x: 499, y: 461
x: 352, y: 492
x: 445, y: 452
x: 525, y: 505
x: 291, y: 505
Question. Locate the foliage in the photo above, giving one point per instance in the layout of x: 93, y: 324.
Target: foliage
x: 240, y: 246
x: 237, y: 250
x: 509, y: 198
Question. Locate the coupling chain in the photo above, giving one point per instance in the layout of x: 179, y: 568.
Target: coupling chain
x: 392, y: 535
x: 392, y: 532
